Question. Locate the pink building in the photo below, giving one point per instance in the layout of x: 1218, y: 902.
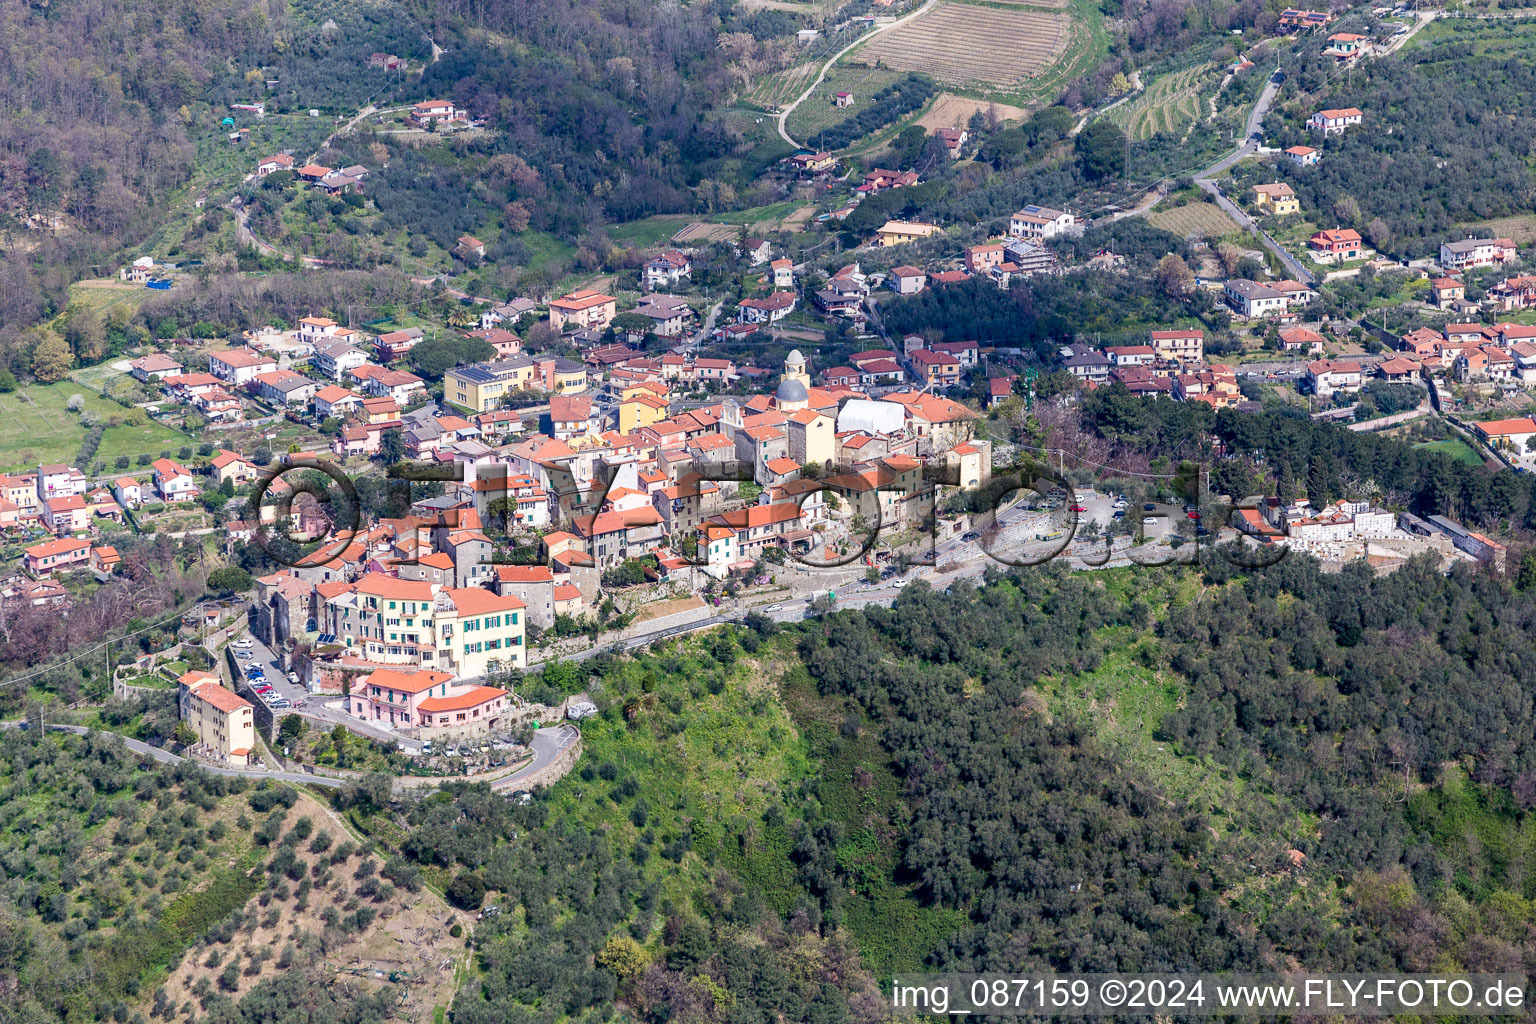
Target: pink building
x: 430, y: 701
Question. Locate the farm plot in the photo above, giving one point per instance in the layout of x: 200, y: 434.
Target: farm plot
x: 959, y: 42
x: 1170, y: 104
x: 1203, y: 219
x: 706, y: 233
x: 951, y: 111
x: 817, y: 113
x: 782, y: 86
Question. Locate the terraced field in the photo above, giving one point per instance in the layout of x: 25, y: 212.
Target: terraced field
x: 1171, y: 104
x: 959, y: 42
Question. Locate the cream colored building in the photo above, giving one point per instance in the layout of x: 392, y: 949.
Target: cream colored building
x: 900, y: 232
x: 466, y: 632
x: 221, y: 718
x: 582, y: 309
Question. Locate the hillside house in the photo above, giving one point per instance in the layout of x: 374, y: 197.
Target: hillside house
x: 239, y: 366
x: 272, y: 164
x: 812, y: 163
x: 582, y: 310
x: 1303, y: 156
x: 1040, y: 222
x: 55, y: 555
x: 666, y: 270
x: 901, y: 232
x: 1184, y: 345
x: 1445, y: 292
x: 1278, y: 199
x: 1335, y: 245
x: 1471, y: 253
x: 1347, y: 47
x: 766, y: 311
x: 1328, y: 376
x: 434, y: 112
x: 906, y: 280
x: 1336, y: 121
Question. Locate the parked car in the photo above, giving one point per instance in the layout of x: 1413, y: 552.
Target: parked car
x: 244, y: 642
x: 242, y: 654
x: 1148, y: 520
x: 293, y: 677
x: 900, y: 583
x: 774, y: 608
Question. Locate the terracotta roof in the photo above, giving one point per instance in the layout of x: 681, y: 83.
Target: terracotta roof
x: 460, y: 702
x: 211, y: 692
x: 476, y: 601
x: 404, y: 680
x: 524, y: 574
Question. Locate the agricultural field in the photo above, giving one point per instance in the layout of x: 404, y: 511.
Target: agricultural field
x: 1521, y: 228
x: 1199, y: 218
x: 816, y: 112
x: 1171, y: 103
x: 109, y: 293
x: 699, y: 233
x: 782, y: 86
x: 36, y: 427
x: 951, y: 111
x: 958, y: 42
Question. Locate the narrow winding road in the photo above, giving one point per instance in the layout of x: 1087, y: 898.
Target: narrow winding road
x: 547, y: 744
x: 783, y: 115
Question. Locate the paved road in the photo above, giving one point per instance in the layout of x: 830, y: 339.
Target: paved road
x: 166, y: 757
x: 547, y: 744
x: 783, y: 115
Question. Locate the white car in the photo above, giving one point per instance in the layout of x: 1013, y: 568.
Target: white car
x: 774, y: 608
x: 898, y: 584
x: 293, y: 677
x: 244, y: 642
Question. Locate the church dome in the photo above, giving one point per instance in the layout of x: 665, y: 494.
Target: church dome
x: 791, y: 390
x: 794, y: 358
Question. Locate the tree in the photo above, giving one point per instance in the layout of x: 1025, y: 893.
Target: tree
x: 1100, y: 150
x: 50, y: 359
x: 291, y: 729
x: 230, y: 580
x: 466, y: 891
x: 622, y: 956
x: 391, y: 446
x: 1174, y: 277
x: 7, y: 381
x: 184, y: 736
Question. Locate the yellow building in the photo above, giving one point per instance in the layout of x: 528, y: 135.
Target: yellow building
x: 812, y: 437
x: 900, y: 232
x: 221, y: 718
x: 1277, y: 198
x: 641, y: 410
x: 582, y: 309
